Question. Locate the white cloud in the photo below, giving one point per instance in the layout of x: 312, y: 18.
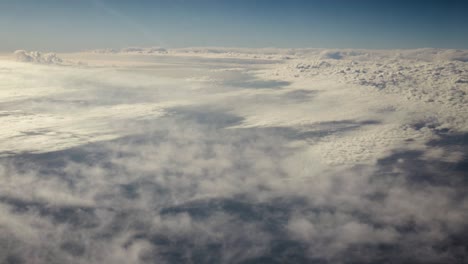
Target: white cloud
x: 37, y: 57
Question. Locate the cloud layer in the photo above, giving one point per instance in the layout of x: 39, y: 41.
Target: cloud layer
x: 214, y: 160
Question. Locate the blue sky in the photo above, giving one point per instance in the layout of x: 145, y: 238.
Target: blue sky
x: 67, y: 25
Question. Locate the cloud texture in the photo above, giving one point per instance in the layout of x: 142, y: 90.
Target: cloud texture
x: 228, y: 161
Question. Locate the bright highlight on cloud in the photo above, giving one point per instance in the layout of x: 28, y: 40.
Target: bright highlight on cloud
x: 216, y: 155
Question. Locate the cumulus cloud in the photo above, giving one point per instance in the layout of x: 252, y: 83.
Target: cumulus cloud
x: 37, y: 57
x: 144, y: 165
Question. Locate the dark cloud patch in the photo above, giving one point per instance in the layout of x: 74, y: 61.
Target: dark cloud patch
x: 436, y: 185
x: 453, y: 140
x: 419, y: 170
x: 273, y: 214
x: 212, y: 116
x: 257, y: 84
x: 243, y: 79
x: 43, y: 102
x: 299, y: 95
x: 316, y: 131
x: 333, y: 55
x: 76, y: 216
x: 13, y: 113
x: 206, y: 115
x: 76, y: 249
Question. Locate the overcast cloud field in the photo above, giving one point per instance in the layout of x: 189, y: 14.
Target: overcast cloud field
x: 150, y: 155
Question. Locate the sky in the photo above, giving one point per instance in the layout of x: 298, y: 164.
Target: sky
x: 65, y: 25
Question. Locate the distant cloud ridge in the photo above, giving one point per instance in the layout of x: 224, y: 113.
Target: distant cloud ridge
x: 37, y: 57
